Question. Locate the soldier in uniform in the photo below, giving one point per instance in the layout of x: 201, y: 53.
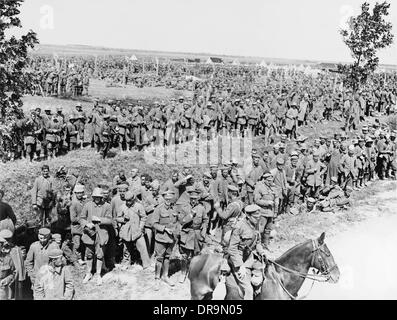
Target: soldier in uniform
x: 95, y: 218
x: 80, y: 120
x: 314, y: 172
x: 132, y: 217
x: 38, y: 253
x: 244, y: 241
x: 43, y: 195
x: 8, y: 271
x: 71, y: 132
x: 194, y: 223
x: 266, y: 197
x: 53, y: 131
x: 75, y: 210
x: 105, y: 133
x: 348, y: 167
x: 165, y: 222
x: 370, y: 152
x: 332, y: 197
x: 253, y: 176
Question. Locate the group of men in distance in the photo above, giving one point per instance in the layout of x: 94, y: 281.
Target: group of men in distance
x: 186, y: 213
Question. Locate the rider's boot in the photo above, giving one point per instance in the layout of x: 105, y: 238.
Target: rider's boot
x: 266, y: 240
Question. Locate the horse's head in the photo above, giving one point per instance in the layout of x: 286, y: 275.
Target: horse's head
x: 323, y: 260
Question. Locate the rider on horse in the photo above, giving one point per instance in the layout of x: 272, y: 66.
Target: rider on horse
x: 244, y: 249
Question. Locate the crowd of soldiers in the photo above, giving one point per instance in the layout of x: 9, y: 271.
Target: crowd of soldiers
x: 221, y: 105
x: 184, y: 214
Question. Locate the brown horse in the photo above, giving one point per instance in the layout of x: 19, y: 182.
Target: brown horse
x: 284, y: 277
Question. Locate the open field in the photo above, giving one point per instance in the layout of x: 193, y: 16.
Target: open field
x: 98, y: 89
x: 83, y: 50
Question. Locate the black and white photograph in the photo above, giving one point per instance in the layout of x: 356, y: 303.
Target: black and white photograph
x: 177, y: 150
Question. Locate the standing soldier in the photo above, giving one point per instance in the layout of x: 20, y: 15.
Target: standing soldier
x: 165, y: 222
x: 71, y: 132
x: 43, y: 195
x: 133, y: 217
x: 105, y: 133
x: 230, y: 215
x: 280, y: 182
x: 53, y: 131
x: 96, y: 216
x: 370, y: 152
x: 253, y: 176
x: 315, y: 170
x: 266, y: 197
x: 31, y: 130
x: 194, y: 223
x: 80, y: 117
x: 348, y: 167
x: 38, y: 253
x: 8, y: 271
x: 75, y: 210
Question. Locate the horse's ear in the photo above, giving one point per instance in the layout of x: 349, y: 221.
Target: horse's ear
x: 321, y: 239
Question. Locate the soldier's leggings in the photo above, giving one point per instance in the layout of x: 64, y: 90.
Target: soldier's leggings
x: 76, y: 239
x: 265, y: 226
x: 140, y: 246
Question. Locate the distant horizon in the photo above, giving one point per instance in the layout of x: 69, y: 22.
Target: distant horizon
x: 130, y: 50
x: 307, y: 30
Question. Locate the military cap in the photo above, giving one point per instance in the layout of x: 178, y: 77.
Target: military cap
x: 79, y: 188
x: 267, y: 174
x: 168, y: 195
x: 47, y: 109
x: 97, y: 193
x: 59, y: 109
x: 129, y: 195
x: 6, y: 234
x: 232, y: 188
x: 255, y: 155
x: 294, y: 154
x: 190, y: 189
x: 195, y: 194
x: 252, y: 208
x: 392, y: 134
x: 38, y: 109
x: 123, y: 185
x: 32, y: 109
x: 55, y: 253
x: 351, y: 148
x: 56, y: 237
x: 280, y: 161
x: 79, y: 105
x: 72, y: 117
x: 311, y: 200
x: 354, y: 141
x: 234, y: 161
x: 316, y: 140
x: 31, y: 224
x: 369, y: 140
x: 106, y: 116
x: 342, y: 147
x: 207, y: 175
x: 334, y: 179
x: 44, y: 231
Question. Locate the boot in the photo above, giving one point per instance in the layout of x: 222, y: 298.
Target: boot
x: 157, y: 272
x: 88, y: 271
x: 98, y: 272
x: 166, y: 267
x: 182, y: 276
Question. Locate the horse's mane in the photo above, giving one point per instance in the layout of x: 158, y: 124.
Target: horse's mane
x: 291, y: 250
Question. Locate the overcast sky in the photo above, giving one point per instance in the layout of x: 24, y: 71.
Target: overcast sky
x: 304, y: 29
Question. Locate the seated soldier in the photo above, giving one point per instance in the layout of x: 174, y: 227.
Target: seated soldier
x: 335, y: 198
x: 245, y: 240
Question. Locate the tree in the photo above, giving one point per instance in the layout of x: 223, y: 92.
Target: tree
x: 13, y: 60
x: 367, y: 33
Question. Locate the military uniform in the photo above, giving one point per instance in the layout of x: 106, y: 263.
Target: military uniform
x: 165, y: 222
x: 7, y: 275
x: 266, y: 197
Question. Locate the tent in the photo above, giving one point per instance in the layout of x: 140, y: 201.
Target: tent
x: 214, y: 60
x: 133, y: 58
x: 236, y: 62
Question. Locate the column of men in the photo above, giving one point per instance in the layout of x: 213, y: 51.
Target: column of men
x: 185, y: 212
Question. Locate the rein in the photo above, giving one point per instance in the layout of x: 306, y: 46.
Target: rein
x: 315, y: 277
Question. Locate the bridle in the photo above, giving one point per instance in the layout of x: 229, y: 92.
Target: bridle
x: 322, y: 275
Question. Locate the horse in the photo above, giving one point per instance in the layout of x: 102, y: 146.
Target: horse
x: 283, y: 277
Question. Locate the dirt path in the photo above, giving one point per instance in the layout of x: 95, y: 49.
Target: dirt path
x: 366, y: 255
